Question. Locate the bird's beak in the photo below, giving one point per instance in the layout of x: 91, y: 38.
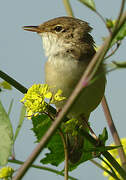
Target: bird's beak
x: 32, y: 28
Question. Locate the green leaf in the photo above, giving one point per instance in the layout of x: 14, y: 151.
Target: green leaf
x: 104, y: 136
x: 89, y: 3
x: 41, y: 123
x: 21, y: 119
x: 6, y: 136
x: 56, y: 155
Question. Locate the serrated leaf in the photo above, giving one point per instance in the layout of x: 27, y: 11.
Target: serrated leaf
x: 21, y: 119
x: 89, y: 3
x: 6, y: 136
x: 56, y: 155
x: 41, y: 123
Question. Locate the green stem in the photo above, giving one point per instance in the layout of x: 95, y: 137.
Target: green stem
x: 113, y: 51
x: 13, y: 82
x: 68, y: 8
x: 114, y: 163
x: 103, y: 20
x: 120, y: 14
x: 111, y: 168
x: 104, y: 169
x: 65, y: 153
x: 43, y: 168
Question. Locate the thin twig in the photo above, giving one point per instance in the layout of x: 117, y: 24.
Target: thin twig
x: 68, y: 8
x: 42, y: 168
x: 113, y: 52
x: 120, y: 14
x: 90, y: 129
x: 66, y: 155
x: 102, y: 18
x: 65, y: 149
x: 114, y: 132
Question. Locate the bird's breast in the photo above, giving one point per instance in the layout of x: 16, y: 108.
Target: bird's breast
x: 63, y: 74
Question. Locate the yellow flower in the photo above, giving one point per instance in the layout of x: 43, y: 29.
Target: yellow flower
x: 6, y: 172
x: 57, y: 97
x: 114, y: 153
x: 34, y: 99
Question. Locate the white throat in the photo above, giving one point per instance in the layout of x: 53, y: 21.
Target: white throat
x: 52, y: 45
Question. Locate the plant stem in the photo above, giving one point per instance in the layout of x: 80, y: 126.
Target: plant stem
x: 113, y: 52
x: 13, y: 82
x: 66, y: 155
x: 104, y: 169
x: 65, y: 150
x: 68, y: 8
x: 114, y: 163
x: 103, y: 20
x: 43, y: 168
x: 109, y: 166
x: 120, y: 14
x: 114, y: 132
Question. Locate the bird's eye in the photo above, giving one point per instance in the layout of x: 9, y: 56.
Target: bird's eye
x: 58, y: 28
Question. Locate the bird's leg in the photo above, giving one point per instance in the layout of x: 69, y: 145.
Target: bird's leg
x: 85, y: 124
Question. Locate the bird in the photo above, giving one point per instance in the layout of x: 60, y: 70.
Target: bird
x: 69, y: 48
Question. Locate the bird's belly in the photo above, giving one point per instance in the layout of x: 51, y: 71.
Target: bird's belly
x: 65, y: 77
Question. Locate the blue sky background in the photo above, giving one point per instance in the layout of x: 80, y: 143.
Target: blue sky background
x: 22, y: 57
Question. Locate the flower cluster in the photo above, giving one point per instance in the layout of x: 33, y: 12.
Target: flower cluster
x: 6, y: 172
x: 114, y: 153
x: 34, y: 99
